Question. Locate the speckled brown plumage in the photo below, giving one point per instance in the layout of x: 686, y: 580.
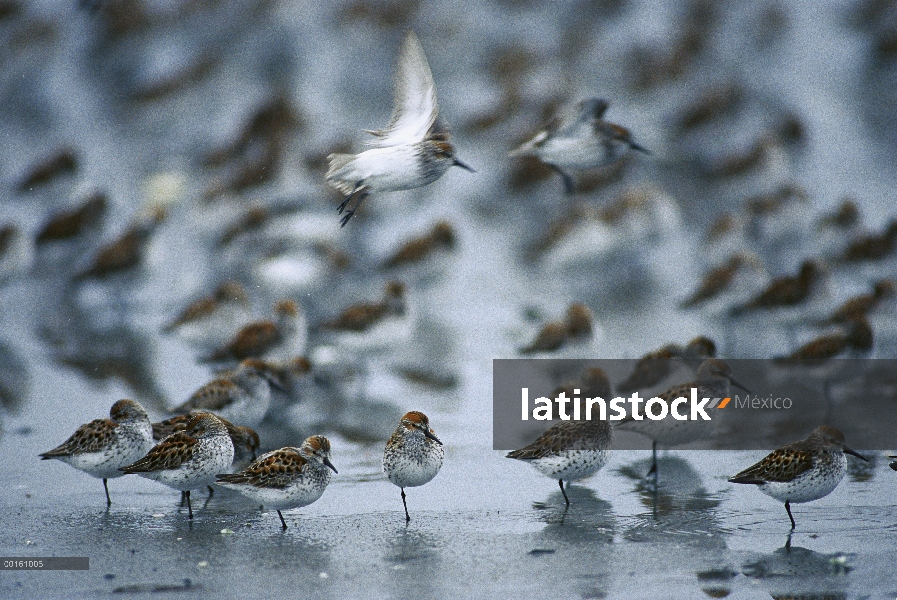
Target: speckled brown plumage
x: 168, y: 454
x: 245, y: 439
x: 783, y: 464
x: 276, y: 469
x: 90, y: 437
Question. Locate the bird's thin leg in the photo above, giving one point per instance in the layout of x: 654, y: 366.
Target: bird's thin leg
x: 351, y: 213
x: 211, y: 491
x: 566, y: 499
x: 788, y: 508
x: 788, y: 542
x: 653, y: 470
x: 569, y: 184
x: 281, y: 519
x: 342, y: 206
x: 183, y: 499
x: 405, y: 504
x: 189, y: 508
x: 106, y: 487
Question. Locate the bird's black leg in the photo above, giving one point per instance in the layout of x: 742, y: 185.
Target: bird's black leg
x: 281, y: 519
x: 342, y: 206
x: 788, y: 508
x: 211, y: 491
x: 183, y: 499
x: 189, y: 508
x: 106, y: 487
x: 788, y: 542
x: 405, y: 504
x: 653, y: 470
x: 566, y: 499
x: 349, y: 214
x: 569, y: 184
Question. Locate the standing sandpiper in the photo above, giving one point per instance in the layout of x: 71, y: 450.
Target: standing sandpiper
x: 801, y: 471
x: 285, y: 478
x: 413, y: 454
x: 712, y: 381
x: 579, y: 139
x: 573, y: 450
x: 415, y: 148
x: 243, y: 396
x: 100, y: 447
x: 189, y: 459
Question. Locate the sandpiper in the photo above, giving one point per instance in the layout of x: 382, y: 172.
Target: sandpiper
x: 126, y: 252
x: 785, y: 291
x: 101, y: 447
x: 189, y: 459
x: 72, y: 222
x: 245, y: 440
x: 654, y: 367
x: 801, y: 471
x: 883, y: 290
x: 413, y: 454
x: 374, y: 324
x: 440, y: 237
x: 872, y: 247
x: 212, y: 319
x: 283, y: 338
x: 711, y: 381
x: 719, y: 279
x: 286, y: 478
x: 415, y: 148
x: 580, y: 139
x: 578, y: 325
x: 853, y: 339
x: 242, y: 396
x: 573, y: 450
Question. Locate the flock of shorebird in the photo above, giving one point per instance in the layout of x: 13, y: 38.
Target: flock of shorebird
x: 198, y: 447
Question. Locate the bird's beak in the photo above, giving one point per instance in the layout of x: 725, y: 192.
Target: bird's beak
x: 458, y: 163
x: 738, y: 385
x: 854, y: 453
x: 639, y: 148
x: 432, y: 437
x: 327, y: 462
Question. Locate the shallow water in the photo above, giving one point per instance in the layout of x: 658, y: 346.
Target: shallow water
x: 486, y: 526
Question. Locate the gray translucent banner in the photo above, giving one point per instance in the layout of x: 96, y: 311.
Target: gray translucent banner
x: 787, y: 401
x: 45, y: 563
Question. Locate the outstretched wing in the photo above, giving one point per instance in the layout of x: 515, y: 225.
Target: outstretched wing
x: 414, y: 108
